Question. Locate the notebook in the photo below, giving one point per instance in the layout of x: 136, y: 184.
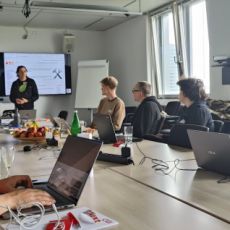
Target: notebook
x: 71, y: 170
x: 211, y: 150
x: 28, y: 114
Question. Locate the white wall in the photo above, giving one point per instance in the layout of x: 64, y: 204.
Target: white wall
x: 218, y: 13
x: 126, y: 50
x: 88, y: 45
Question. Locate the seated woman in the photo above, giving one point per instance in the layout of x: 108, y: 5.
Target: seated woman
x: 193, y: 96
x: 12, y: 197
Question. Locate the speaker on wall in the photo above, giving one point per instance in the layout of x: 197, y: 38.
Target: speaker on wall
x: 68, y: 43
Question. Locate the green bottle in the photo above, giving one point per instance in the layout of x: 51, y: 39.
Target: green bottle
x: 75, y: 127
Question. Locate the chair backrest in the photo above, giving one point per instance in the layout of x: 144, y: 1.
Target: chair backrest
x: 218, y: 125
x: 8, y: 113
x: 63, y: 114
x: 179, y: 136
x: 173, y: 108
x: 129, y: 113
x: 226, y: 127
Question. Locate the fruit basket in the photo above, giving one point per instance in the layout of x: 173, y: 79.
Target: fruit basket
x: 32, y: 139
x: 31, y: 134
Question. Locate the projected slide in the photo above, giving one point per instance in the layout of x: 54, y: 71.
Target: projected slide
x: 48, y: 70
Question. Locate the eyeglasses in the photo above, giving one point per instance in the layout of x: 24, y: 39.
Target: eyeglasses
x: 135, y: 90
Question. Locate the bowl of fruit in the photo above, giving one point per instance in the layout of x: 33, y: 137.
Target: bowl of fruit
x: 37, y: 134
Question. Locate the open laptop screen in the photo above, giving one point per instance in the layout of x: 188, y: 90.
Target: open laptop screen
x: 73, y: 166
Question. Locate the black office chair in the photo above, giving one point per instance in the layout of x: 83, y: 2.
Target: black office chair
x: 218, y: 125
x: 173, y: 109
x: 226, y: 127
x: 8, y: 113
x: 178, y: 135
x: 63, y: 114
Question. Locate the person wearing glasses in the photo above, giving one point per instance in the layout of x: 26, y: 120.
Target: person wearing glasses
x: 24, y: 91
x: 148, y: 113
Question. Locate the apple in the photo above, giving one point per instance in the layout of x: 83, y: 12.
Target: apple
x: 23, y: 134
x: 39, y: 134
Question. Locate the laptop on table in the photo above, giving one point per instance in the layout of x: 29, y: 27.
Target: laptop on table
x: 211, y: 150
x: 71, y: 171
x: 105, y: 128
x: 28, y: 114
x: 106, y: 131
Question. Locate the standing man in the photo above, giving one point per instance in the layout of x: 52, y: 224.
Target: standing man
x: 148, y: 113
x: 24, y: 90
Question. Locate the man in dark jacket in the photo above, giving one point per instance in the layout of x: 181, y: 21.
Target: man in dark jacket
x: 147, y: 115
x: 24, y: 90
x: 193, y: 96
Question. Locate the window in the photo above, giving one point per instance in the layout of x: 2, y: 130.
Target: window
x: 198, y: 49
x: 188, y: 35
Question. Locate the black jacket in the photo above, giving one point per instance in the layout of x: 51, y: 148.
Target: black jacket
x: 198, y: 114
x: 146, y: 117
x: 31, y: 93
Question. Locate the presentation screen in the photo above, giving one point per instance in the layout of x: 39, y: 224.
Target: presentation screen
x: 51, y: 72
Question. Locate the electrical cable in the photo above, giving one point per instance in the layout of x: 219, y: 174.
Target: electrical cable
x: 30, y: 221
x: 163, y: 166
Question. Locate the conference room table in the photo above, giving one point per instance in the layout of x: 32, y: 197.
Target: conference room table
x: 137, y: 196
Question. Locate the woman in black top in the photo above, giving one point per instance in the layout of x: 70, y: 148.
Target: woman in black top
x: 193, y: 96
x: 24, y: 90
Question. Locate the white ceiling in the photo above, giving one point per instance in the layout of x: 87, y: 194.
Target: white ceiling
x: 11, y: 15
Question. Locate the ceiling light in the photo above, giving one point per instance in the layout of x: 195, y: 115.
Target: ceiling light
x: 84, y: 8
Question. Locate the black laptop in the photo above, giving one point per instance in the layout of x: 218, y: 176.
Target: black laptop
x: 71, y: 170
x: 106, y: 131
x: 211, y: 150
x: 105, y: 128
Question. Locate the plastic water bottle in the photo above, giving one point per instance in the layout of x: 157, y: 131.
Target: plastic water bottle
x: 75, y: 126
x: 17, y: 119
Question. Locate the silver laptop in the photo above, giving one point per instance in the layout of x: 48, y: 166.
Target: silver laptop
x: 211, y: 150
x: 71, y: 170
x: 28, y: 114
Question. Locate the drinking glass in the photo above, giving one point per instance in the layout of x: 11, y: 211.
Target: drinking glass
x: 128, y: 133
x: 3, y: 163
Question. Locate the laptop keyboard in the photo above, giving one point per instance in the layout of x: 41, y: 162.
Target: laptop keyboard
x: 60, y: 200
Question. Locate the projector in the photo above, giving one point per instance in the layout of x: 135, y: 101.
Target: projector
x: 221, y: 59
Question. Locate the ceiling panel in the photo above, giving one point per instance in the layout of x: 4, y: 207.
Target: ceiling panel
x: 11, y: 14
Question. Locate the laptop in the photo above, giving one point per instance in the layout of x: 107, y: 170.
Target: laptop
x: 105, y: 128
x: 71, y: 171
x: 211, y: 150
x: 28, y: 114
x: 106, y: 131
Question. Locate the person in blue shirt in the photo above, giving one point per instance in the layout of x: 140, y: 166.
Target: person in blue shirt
x: 193, y: 97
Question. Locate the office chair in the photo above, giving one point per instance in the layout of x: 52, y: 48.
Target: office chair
x: 226, y: 127
x: 63, y: 114
x: 218, y: 125
x: 8, y: 113
x: 178, y: 135
x: 173, y: 109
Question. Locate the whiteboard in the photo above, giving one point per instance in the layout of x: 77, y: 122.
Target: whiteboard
x: 88, y: 88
